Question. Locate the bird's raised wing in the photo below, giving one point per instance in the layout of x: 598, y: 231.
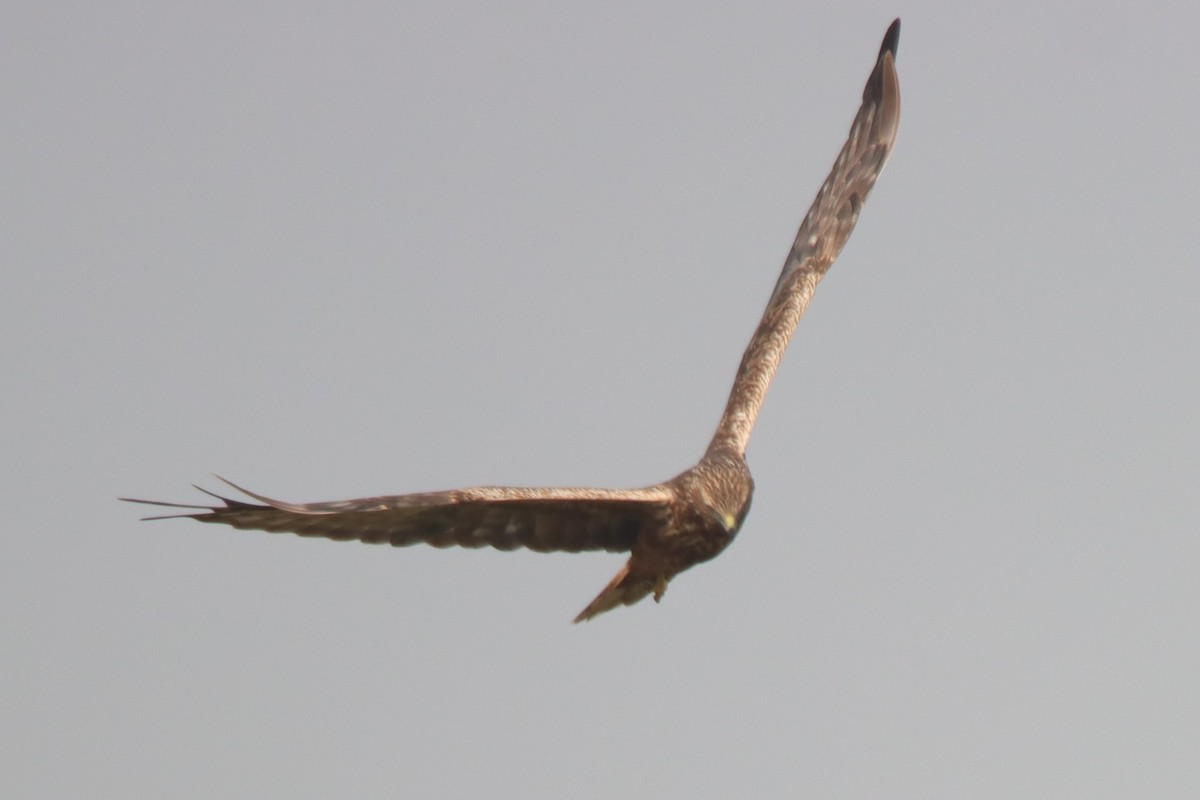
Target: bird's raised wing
x: 545, y: 520
x: 822, y: 234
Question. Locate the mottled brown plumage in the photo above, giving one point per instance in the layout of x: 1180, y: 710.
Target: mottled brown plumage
x: 667, y: 527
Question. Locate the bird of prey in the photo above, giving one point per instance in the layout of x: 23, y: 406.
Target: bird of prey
x: 670, y: 526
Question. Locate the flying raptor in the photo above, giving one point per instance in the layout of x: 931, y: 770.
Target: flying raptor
x: 670, y: 526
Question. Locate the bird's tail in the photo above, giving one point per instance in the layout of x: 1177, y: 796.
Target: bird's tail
x: 623, y: 590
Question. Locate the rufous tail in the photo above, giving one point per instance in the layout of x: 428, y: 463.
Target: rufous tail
x: 622, y: 590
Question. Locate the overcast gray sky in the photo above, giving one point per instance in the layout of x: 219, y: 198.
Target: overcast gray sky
x: 378, y: 248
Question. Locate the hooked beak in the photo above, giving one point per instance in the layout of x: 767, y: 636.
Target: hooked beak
x: 726, y: 521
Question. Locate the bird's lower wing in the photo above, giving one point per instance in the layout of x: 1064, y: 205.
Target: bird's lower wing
x: 506, y: 518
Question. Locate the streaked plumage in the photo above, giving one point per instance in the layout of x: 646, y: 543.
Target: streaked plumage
x: 667, y: 527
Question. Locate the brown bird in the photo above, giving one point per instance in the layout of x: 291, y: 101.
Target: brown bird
x: 667, y: 527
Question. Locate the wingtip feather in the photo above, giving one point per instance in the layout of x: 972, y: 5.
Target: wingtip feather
x: 891, y: 39
x: 202, y: 509
x: 262, y: 498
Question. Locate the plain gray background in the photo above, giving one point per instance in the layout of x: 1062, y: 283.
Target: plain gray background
x: 384, y: 248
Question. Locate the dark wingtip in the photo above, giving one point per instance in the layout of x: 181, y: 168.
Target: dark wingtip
x: 874, y: 90
x: 203, y: 509
x: 205, y: 513
x: 891, y: 39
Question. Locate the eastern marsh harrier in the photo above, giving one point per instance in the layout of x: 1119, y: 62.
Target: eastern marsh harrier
x: 667, y: 527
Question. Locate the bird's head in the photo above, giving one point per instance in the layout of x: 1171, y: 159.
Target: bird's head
x: 722, y: 487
